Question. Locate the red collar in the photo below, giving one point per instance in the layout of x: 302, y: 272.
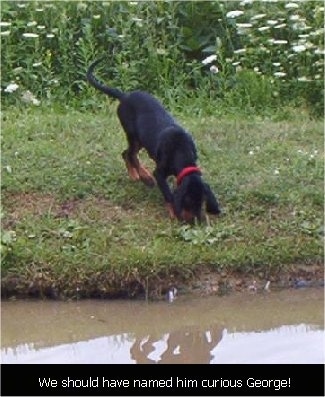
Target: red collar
x: 186, y: 171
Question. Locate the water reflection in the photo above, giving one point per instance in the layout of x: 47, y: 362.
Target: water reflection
x: 183, y: 346
x: 287, y: 344
x: 243, y: 328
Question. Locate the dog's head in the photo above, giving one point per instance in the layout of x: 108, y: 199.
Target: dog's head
x: 189, y: 197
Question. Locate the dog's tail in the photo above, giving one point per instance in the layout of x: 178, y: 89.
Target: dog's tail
x: 112, y: 92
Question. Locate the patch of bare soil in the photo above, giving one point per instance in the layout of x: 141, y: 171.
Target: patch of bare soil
x: 211, y: 282
x: 18, y: 206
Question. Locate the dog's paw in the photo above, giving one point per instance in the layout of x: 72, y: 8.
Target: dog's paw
x: 170, y: 210
x: 146, y: 177
x: 133, y: 174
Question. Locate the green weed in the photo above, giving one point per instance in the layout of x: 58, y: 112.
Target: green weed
x: 248, y: 55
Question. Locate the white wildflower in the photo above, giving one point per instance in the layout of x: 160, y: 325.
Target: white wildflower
x: 282, y: 25
x: 17, y: 70
x: 214, y: 69
x: 209, y: 59
x: 294, y: 17
x: 309, y: 45
x: 258, y: 16
x: 262, y: 48
x: 251, y: 152
x: 271, y: 22
x: 40, y: 27
x: 28, y: 97
x: 291, y: 6
x: 276, y: 64
x: 39, y: 9
x: 319, y: 62
x: 244, y: 2
x: 33, y: 23
x: 299, y: 48
x: 50, y: 35
x: 244, y: 25
x: 36, y: 102
x: 279, y: 74
x: 320, y: 51
x: 36, y: 64
x: 235, y: 63
x: 30, y: 35
x: 5, y: 33
x: 12, y: 87
x: 4, y: 23
x: 234, y: 14
x: 303, y: 79
x: 240, y: 51
x: 81, y: 6
x: 161, y: 51
x: 280, y: 41
x: 263, y: 28
x: 138, y: 21
x: 96, y: 16
x: 317, y: 32
x: 276, y: 171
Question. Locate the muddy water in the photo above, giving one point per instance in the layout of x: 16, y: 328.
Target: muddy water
x: 275, y: 327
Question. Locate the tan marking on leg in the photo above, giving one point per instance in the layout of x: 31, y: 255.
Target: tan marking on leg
x: 170, y: 211
x: 133, y: 173
x: 146, y: 176
x: 187, y: 216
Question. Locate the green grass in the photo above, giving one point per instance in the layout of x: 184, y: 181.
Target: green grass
x: 73, y: 221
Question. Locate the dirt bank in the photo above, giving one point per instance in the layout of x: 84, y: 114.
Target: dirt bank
x: 204, y: 281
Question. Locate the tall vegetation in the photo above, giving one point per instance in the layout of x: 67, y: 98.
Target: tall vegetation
x: 247, y: 54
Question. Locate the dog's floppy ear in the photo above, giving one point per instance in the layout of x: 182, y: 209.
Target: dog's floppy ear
x: 212, y: 205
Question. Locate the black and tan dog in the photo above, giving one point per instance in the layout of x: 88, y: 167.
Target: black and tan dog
x: 148, y: 125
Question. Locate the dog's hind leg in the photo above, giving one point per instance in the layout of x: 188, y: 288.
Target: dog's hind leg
x: 132, y: 171
x: 135, y: 169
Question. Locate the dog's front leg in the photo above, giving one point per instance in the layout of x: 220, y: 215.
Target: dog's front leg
x: 166, y: 192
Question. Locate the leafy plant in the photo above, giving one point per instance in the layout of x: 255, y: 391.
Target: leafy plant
x: 265, y: 54
x: 199, y: 235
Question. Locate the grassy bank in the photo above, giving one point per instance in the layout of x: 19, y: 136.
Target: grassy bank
x: 75, y: 225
